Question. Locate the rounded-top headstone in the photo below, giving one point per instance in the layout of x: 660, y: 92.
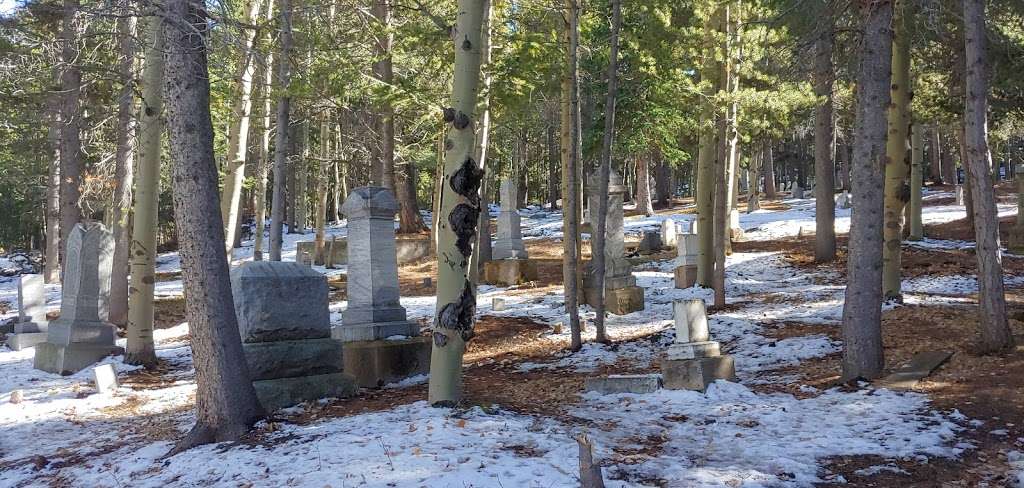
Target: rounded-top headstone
x: 370, y: 202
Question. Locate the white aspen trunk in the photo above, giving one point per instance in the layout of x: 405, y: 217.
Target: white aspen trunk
x: 916, y: 182
x: 278, y: 204
x: 124, y: 172
x: 264, y: 163
x: 897, y: 167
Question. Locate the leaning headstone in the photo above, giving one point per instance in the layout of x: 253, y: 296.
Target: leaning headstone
x: 843, y: 200
x: 687, y: 247
x: 622, y: 296
x: 381, y: 345
x: 634, y: 383
x: 798, y: 192
x: 31, y: 327
x: 958, y: 194
x: 509, y: 264
x: 82, y: 335
x: 105, y: 378
x: 694, y: 361
x: 286, y: 327
x: 669, y: 231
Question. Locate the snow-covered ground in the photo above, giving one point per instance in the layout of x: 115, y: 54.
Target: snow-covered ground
x: 63, y: 432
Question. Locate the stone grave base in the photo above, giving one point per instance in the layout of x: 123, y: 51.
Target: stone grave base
x: 377, y: 363
x: 696, y: 374
x: 72, y: 358
x: 693, y: 350
x: 279, y: 393
x: 619, y: 301
x: 508, y: 272
x: 25, y: 340
x: 736, y: 234
x: 375, y: 330
x: 634, y: 383
x: 686, y: 276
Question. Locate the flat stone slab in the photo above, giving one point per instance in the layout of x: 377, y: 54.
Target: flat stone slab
x: 277, y: 301
x: 919, y: 367
x: 374, y: 364
x: 635, y: 383
x: 70, y: 359
x: 375, y: 331
x: 696, y: 374
x: 289, y: 359
x: 286, y: 392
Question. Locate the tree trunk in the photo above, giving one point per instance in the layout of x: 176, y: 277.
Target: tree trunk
x: 140, y: 349
x: 552, y: 155
x: 768, y: 166
x: 754, y: 200
x: 897, y: 167
x: 70, y: 136
x: 321, y: 192
x: 964, y: 164
x: 949, y: 175
x: 600, y: 220
x: 570, y: 149
x: 124, y: 172
x: 302, y: 179
x: 238, y: 133
x: 934, y: 154
x: 862, y: 307
x: 51, y: 268
x: 995, y: 331
x: 916, y: 182
x: 264, y: 163
x: 643, y: 184
x: 278, y: 203
x: 226, y: 403
x: 707, y: 148
x: 481, y: 146
x: 824, y: 166
x: 456, y: 296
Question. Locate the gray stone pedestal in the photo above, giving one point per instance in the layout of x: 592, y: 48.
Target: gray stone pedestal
x: 694, y: 361
x: 374, y: 313
x: 285, y: 327
x: 687, y: 247
x: 82, y: 335
x: 510, y: 264
x: 31, y: 327
x: 669, y: 233
x: 509, y: 272
x: 622, y: 296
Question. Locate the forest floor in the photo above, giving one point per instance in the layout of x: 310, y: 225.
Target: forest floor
x: 787, y: 422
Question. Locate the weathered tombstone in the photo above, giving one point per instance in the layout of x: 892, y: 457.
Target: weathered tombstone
x: 381, y: 345
x: 622, y: 296
x: 510, y: 264
x: 105, y: 378
x: 30, y: 329
x: 687, y: 247
x: 735, y: 230
x: 82, y: 335
x: 694, y: 361
x: 498, y: 304
x: 843, y: 200
x: 798, y: 192
x: 651, y: 242
x: 958, y: 194
x: 633, y: 383
x: 286, y: 333
x: 669, y: 231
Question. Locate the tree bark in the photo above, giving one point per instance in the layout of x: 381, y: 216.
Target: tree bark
x: 994, y: 329
x: 706, y: 151
x: 322, y: 166
x: 570, y: 149
x: 383, y: 71
x: 278, y: 203
x: 768, y: 167
x: 949, y: 175
x: 51, y: 268
x: 481, y: 146
x: 264, y: 163
x: 916, y: 182
x: 862, y: 306
x: 456, y: 296
x: 600, y: 221
x: 754, y: 200
x: 70, y: 134
x: 824, y: 166
x: 897, y: 167
x: 934, y: 154
x: 140, y: 349
x: 302, y: 177
x: 644, y: 205
x: 226, y: 403
x: 124, y: 172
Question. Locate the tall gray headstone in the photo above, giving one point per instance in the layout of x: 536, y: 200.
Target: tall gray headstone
x: 622, y: 296
x: 30, y: 329
x: 374, y: 311
x: 82, y: 335
x: 669, y: 231
x: 508, y: 243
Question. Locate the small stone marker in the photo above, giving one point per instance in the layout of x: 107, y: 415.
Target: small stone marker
x: 844, y: 200
x: 958, y: 194
x: 651, y: 242
x: 686, y: 261
x: 735, y: 230
x: 105, y: 378
x: 612, y: 384
x: 669, y: 231
x: 82, y: 335
x: 693, y: 361
x: 31, y: 326
x: 557, y: 328
x: 17, y: 396
x: 498, y: 304
x: 919, y: 367
x: 798, y: 192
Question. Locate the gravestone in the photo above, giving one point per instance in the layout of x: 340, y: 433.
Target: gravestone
x: 669, y: 231
x: 694, y: 361
x: 381, y: 345
x: 509, y: 264
x: 798, y: 192
x: 82, y: 335
x: 614, y: 384
x: 687, y: 248
x: 286, y: 333
x: 843, y: 200
x: 105, y: 378
x: 30, y: 329
x: 651, y: 242
x: 735, y: 230
x: 958, y: 194
x: 622, y: 296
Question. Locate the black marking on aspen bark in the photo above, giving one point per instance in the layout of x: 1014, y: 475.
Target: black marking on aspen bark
x: 449, y: 115
x: 466, y: 181
x: 461, y: 121
x: 440, y: 340
x: 463, y: 220
x: 150, y: 112
x: 458, y: 315
x: 904, y: 193
x: 466, y: 45
x: 448, y: 144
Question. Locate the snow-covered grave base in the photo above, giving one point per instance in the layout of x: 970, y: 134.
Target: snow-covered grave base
x: 62, y: 431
